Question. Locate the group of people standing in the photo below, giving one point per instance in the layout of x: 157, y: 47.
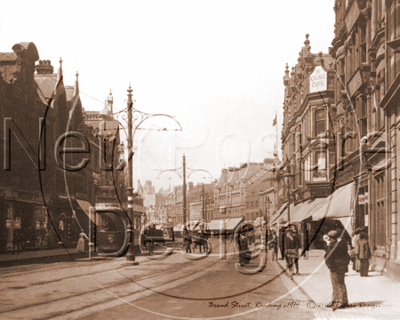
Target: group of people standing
x: 291, y: 245
x: 197, y: 239
x: 339, y: 251
x: 337, y: 258
x: 361, y: 251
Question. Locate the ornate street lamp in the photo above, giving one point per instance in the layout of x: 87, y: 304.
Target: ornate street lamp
x: 287, y: 181
x: 135, y: 119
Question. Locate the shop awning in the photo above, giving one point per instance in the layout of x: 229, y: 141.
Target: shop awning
x: 337, y: 205
x: 284, y: 215
x: 232, y: 224
x: 346, y: 222
x: 307, y: 209
x: 91, y: 213
x: 217, y: 224
x: 201, y: 226
x: 178, y: 227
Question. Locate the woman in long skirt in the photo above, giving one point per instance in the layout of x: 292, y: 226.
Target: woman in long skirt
x: 81, y: 242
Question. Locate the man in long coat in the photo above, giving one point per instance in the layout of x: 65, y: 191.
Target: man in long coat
x: 337, y: 260
x: 291, y: 252
x: 364, y: 254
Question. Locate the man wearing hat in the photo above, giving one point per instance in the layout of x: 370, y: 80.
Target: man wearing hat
x: 337, y: 260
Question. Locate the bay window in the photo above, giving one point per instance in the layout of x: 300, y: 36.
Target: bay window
x: 320, y: 172
x: 319, y: 122
x: 307, y: 169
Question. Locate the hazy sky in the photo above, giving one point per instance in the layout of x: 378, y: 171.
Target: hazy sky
x: 217, y: 66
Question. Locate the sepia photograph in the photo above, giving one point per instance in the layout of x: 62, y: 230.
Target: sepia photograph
x: 176, y: 159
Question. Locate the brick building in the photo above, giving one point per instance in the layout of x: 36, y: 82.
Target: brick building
x: 45, y: 193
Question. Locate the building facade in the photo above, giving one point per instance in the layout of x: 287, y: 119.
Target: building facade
x: 45, y: 192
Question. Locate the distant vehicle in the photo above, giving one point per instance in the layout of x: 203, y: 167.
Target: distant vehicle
x: 111, y: 232
x: 161, y: 234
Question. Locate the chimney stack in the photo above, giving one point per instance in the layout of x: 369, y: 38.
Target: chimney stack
x: 44, y: 67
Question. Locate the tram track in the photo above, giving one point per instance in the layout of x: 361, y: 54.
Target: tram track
x: 115, y: 290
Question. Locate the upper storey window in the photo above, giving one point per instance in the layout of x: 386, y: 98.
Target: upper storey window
x: 319, y: 122
x: 363, y: 43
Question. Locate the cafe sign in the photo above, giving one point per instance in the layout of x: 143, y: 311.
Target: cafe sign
x: 318, y: 80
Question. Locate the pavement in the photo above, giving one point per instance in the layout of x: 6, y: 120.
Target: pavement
x: 372, y: 297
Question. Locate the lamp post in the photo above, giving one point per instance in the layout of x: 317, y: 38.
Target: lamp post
x: 140, y: 117
x: 130, y: 255
x: 184, y: 190
x: 287, y: 181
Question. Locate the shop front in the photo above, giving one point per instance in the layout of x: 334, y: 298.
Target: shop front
x: 68, y: 219
x: 24, y: 221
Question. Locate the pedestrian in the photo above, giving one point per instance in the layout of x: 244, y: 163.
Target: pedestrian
x: 355, y: 243
x: 291, y: 252
x: 274, y: 246
x: 364, y: 254
x: 282, y: 242
x: 80, y: 247
x: 188, y: 240
x: 204, y: 241
x: 304, y: 240
x: 251, y: 237
x: 337, y: 261
x: 244, y: 252
x: 52, y: 238
x: 150, y: 238
x: 17, y: 241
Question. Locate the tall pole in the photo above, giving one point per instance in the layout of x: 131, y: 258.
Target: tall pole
x: 277, y: 141
x: 184, y: 181
x: 205, y: 208
x: 184, y: 190
x: 288, y: 210
x: 203, y: 205
x: 130, y: 256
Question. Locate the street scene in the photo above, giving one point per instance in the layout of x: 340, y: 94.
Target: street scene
x: 200, y: 160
